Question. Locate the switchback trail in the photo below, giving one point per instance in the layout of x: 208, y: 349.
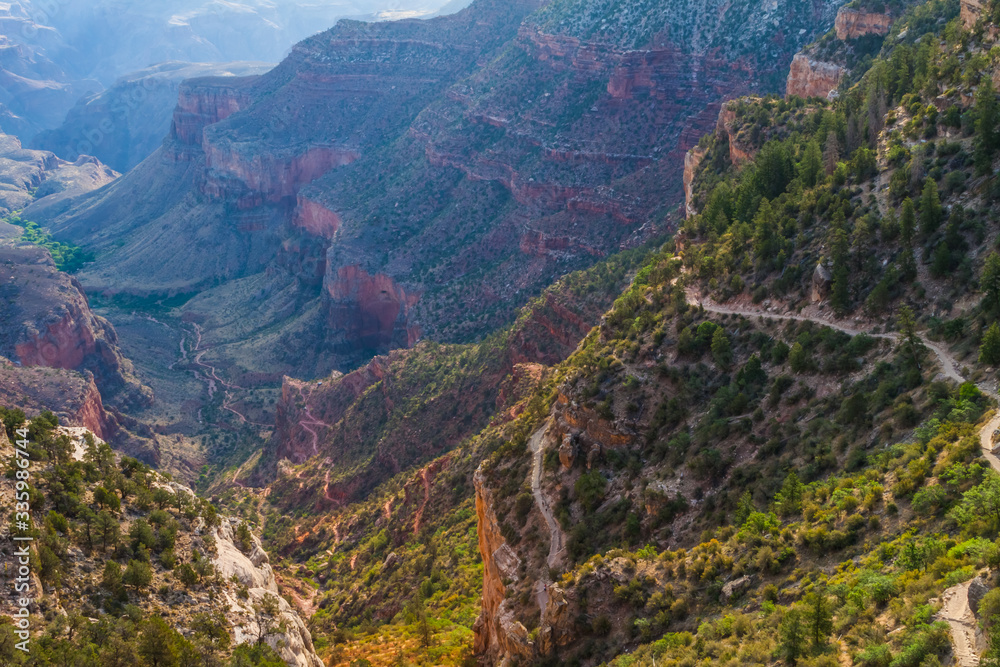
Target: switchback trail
x: 949, y: 366
x: 956, y: 611
x: 212, y: 378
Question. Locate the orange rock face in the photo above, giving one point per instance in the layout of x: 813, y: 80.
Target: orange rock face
x: 971, y: 10
x: 203, y: 102
x: 813, y: 78
x: 315, y: 218
x: 852, y: 23
x: 498, y: 635
x: 52, y: 324
x: 737, y: 154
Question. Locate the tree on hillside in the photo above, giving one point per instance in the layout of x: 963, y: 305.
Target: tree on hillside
x: 789, y: 499
x: 792, y: 637
x: 911, y: 344
x: 907, y: 222
x: 930, y: 208
x: 820, y: 618
x: 831, y: 153
x: 138, y: 575
x: 987, y: 119
x: 722, y: 351
x: 989, y: 350
x: 989, y: 280
x: 811, y: 166
x: 107, y: 529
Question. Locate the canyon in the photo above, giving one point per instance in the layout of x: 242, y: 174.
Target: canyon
x: 528, y: 186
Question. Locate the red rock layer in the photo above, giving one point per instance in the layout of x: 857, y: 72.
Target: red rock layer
x: 370, y: 310
x: 266, y: 177
x: 204, y: 102
x: 55, y: 327
x: 315, y: 218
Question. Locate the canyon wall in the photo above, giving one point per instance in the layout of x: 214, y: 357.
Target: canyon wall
x: 499, y: 637
x: 692, y: 160
x: 72, y: 396
x: 49, y: 323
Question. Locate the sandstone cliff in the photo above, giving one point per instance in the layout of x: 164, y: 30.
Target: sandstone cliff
x: 812, y: 78
x: 253, y: 571
x: 124, y: 124
x: 500, y: 637
x: 855, y: 23
x: 692, y: 160
x: 72, y: 396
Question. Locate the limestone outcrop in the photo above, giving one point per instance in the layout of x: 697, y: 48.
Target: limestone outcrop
x: 292, y: 641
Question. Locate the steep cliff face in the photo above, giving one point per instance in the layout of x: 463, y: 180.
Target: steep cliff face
x: 812, y: 78
x: 500, y: 637
x: 49, y: 323
x: 372, y: 311
x: 294, y: 644
x: 855, y: 23
x: 692, y: 160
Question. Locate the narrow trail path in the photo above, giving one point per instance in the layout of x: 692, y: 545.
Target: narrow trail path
x: 309, y: 422
x: 211, y: 377
x: 949, y: 366
x: 557, y: 540
x: 959, y: 616
x: 426, y: 481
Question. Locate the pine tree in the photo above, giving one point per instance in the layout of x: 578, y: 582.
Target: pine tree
x: 789, y: 499
x: 820, y: 619
x: 831, y: 154
x: 989, y: 351
x: 792, y: 637
x: 722, y: 351
x: 811, y: 165
x: 987, y: 118
x: 744, y: 508
x: 989, y: 280
x: 908, y: 222
x: 930, y: 208
x: 911, y: 343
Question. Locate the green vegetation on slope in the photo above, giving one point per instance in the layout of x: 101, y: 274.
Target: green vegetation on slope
x: 68, y: 257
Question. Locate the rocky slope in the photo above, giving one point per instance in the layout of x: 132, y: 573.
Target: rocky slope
x: 207, y: 577
x: 41, y: 178
x: 123, y: 124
